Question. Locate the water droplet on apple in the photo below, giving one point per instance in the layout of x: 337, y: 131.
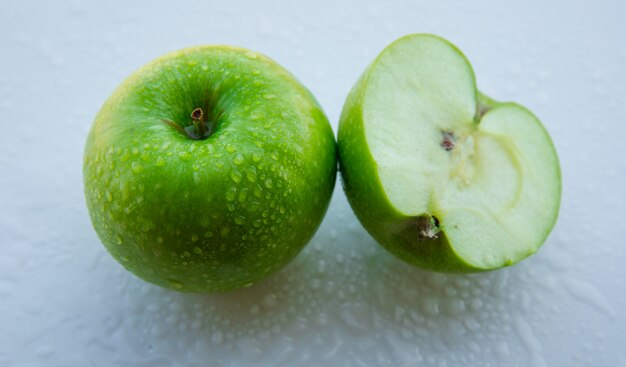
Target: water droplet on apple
x: 238, y: 159
x: 136, y: 167
x: 231, y: 193
x: 251, y: 174
x: 256, y: 156
x: 268, y: 183
x: 160, y: 162
x: 175, y: 283
x: 119, y: 240
x: 225, y: 232
x: 236, y: 176
x: 230, y: 148
x: 243, y: 194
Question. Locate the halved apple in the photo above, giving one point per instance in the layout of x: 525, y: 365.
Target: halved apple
x: 440, y: 175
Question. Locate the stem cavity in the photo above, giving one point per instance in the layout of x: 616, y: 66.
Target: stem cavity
x: 198, y: 130
x: 427, y: 227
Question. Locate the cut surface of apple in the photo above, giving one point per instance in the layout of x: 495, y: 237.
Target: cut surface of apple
x: 448, y: 179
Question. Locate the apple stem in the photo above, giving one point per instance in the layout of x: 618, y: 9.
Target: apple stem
x: 427, y: 227
x: 199, y: 125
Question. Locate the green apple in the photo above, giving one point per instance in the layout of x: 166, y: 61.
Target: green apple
x: 440, y: 175
x: 208, y: 169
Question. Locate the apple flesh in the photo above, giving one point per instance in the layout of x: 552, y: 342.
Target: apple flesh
x: 440, y: 175
x: 208, y: 169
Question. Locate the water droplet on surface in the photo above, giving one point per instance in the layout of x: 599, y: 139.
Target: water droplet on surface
x: 238, y: 159
x: 217, y: 337
x: 476, y: 304
x: 455, y: 307
x: 160, y: 162
x: 268, y: 183
x: 430, y: 306
x: 256, y: 156
x: 270, y: 301
x: 437, y: 280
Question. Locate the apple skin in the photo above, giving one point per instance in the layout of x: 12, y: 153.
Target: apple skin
x: 219, y: 213
x: 393, y: 230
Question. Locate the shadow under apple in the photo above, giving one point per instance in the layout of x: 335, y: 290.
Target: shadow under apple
x: 343, y: 298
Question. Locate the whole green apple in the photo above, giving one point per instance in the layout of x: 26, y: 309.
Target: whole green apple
x: 208, y: 169
x: 440, y: 175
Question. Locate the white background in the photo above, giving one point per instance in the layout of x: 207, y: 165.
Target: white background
x: 345, y: 302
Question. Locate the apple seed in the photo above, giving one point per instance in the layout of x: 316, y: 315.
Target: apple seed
x: 448, y: 140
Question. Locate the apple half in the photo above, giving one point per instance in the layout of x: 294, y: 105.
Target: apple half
x: 439, y: 174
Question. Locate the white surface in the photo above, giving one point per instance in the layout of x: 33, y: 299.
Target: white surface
x: 343, y: 301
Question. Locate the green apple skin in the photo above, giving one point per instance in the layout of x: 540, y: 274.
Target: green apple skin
x: 219, y: 213
x: 391, y: 228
